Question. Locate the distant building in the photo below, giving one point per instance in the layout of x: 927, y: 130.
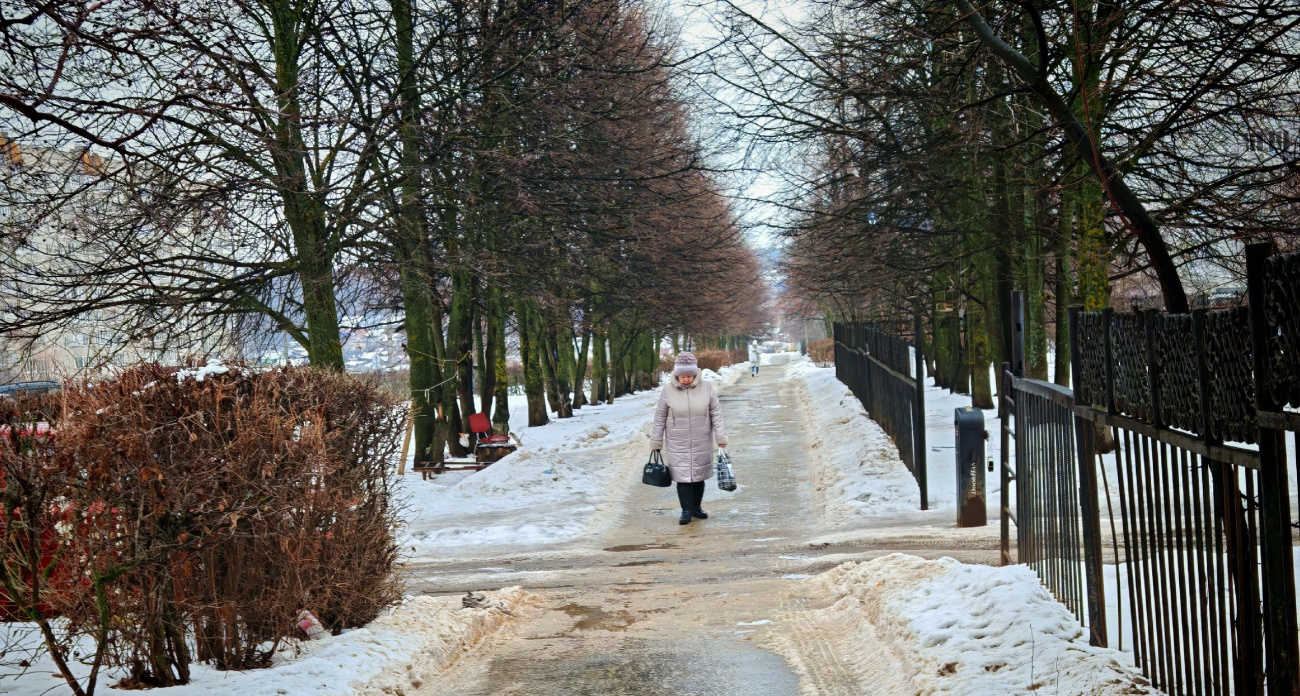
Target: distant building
x: 39, y: 233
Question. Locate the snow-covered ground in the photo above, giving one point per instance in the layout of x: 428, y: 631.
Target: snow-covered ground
x: 855, y: 465
x: 904, y: 625
x: 406, y: 646
x: 549, y: 491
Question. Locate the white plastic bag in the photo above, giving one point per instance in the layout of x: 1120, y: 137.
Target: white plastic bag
x: 310, y: 625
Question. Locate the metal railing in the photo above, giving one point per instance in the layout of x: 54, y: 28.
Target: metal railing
x: 887, y: 374
x: 1185, y: 414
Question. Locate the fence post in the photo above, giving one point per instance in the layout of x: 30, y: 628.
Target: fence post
x: 1281, y: 663
x: 1005, y: 407
x: 1085, y: 439
x: 918, y: 418
x: 835, y: 349
x: 1106, y: 315
x: 1004, y: 417
x: 1153, y: 366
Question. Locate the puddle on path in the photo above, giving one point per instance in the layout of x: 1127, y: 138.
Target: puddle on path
x: 598, y: 619
x: 640, y: 547
x: 691, y: 666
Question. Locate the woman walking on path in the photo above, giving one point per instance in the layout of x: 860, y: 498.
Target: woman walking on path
x: 754, y: 358
x: 688, y: 420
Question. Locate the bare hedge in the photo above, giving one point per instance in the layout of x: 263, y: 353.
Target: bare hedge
x: 708, y: 359
x: 822, y: 352
x: 201, y: 510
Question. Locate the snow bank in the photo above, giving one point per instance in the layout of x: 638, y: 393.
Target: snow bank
x: 527, y: 498
x: 547, y: 492
x: 410, y: 644
x: 855, y: 465
x: 944, y: 627
x: 725, y: 376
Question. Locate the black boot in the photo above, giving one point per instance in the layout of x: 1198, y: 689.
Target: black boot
x: 686, y: 517
x: 697, y: 497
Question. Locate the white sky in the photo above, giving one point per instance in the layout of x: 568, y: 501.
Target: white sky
x: 750, y: 178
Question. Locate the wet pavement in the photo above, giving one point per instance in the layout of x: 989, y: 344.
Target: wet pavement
x: 646, y: 606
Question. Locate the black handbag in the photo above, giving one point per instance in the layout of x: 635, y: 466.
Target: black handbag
x: 655, y: 472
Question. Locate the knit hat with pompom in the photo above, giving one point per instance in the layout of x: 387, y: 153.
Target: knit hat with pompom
x: 685, y: 364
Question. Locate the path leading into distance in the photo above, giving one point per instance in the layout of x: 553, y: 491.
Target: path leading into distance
x: 642, y: 605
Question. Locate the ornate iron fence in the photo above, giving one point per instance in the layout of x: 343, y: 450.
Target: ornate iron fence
x: 882, y: 372
x: 1185, y: 413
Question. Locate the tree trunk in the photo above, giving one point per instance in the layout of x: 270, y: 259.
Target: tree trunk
x: 486, y: 354
x: 420, y: 356
x: 961, y: 350
x: 599, y: 368
x: 553, y: 368
x: 530, y: 354
x: 1063, y: 291
x: 615, y: 362
x: 303, y: 211
x: 448, y: 412
x: 498, y: 312
x: 1093, y: 251
x: 411, y: 250
x: 565, y: 363
x: 580, y: 369
x: 459, y: 403
x: 978, y: 348
x: 1034, y: 197
x: 941, y: 350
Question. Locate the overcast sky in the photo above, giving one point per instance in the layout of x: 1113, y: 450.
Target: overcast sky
x: 750, y: 177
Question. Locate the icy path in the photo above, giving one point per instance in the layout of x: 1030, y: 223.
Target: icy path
x: 636, y: 604
x: 643, y: 605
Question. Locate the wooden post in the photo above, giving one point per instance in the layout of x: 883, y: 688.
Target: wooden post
x: 406, y: 440
x: 918, y: 419
x: 1085, y: 440
x: 1281, y: 662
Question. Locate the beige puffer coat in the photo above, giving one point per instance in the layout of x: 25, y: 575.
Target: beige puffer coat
x: 688, y: 420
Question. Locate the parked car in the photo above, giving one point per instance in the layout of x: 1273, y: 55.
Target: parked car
x: 30, y: 387
x: 33, y: 437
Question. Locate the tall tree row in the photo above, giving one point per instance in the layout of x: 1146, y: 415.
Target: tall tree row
x: 509, y: 177
x: 1093, y: 153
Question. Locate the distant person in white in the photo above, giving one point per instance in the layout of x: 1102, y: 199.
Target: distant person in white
x: 753, y: 358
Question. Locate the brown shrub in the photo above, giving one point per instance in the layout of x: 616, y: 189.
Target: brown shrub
x: 210, y: 508
x: 666, y: 363
x: 708, y: 358
x: 822, y: 352
x: 715, y: 358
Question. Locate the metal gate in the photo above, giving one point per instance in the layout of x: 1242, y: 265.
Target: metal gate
x: 1174, y: 436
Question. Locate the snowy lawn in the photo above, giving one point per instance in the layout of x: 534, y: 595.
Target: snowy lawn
x: 547, y: 492
x: 403, y: 648
x: 944, y: 627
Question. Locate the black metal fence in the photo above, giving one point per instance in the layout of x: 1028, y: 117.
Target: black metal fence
x: 1174, y: 436
x: 882, y: 372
